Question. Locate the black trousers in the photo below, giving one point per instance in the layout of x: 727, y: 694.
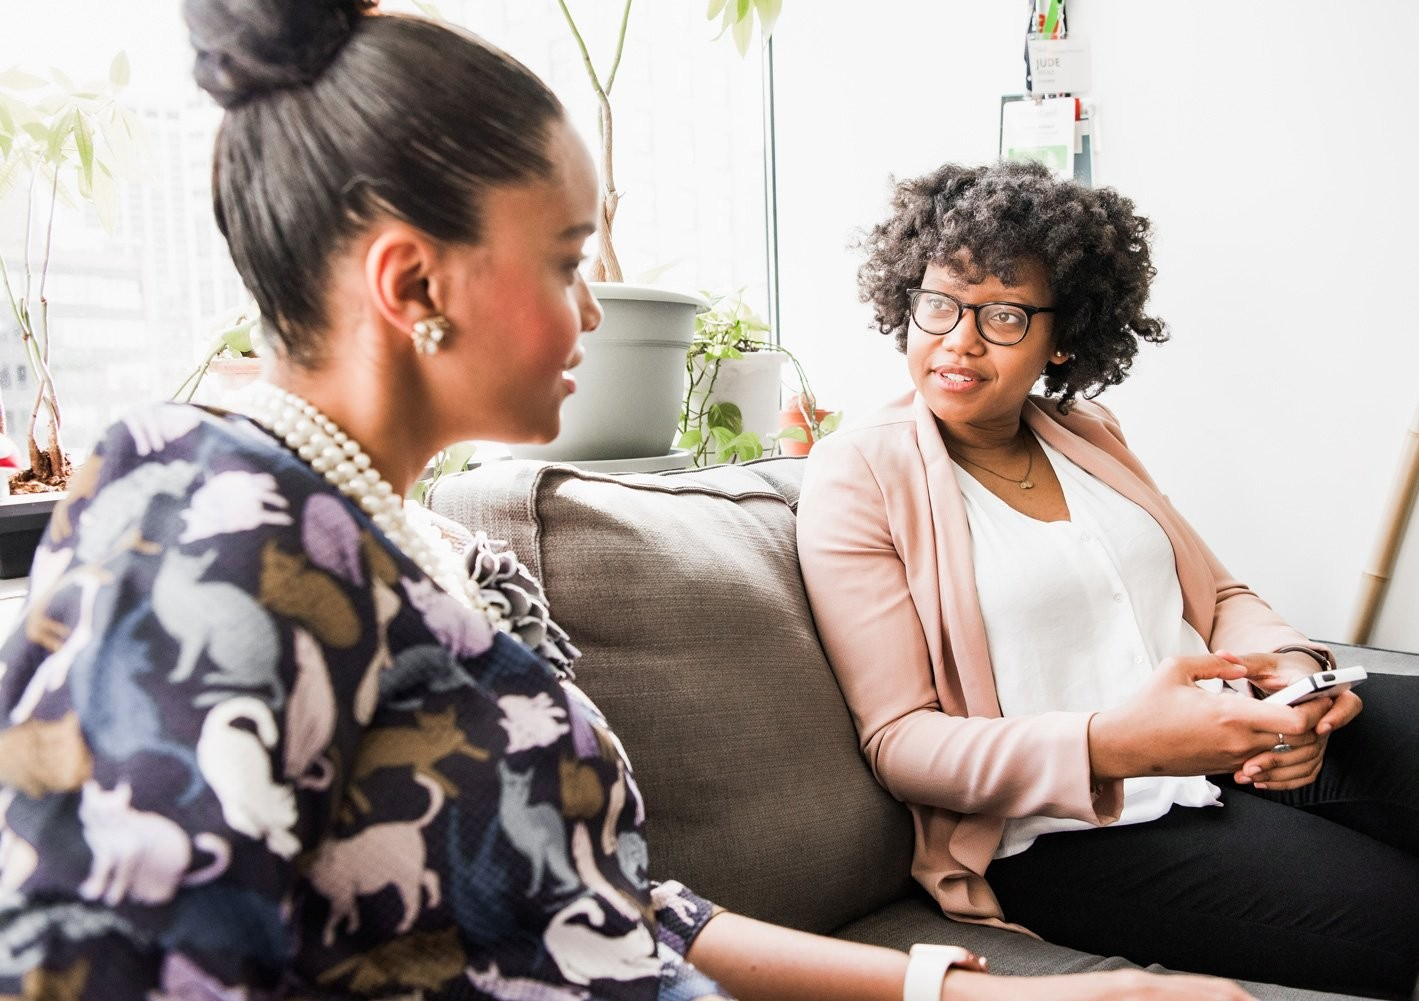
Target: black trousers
x: 1315, y: 887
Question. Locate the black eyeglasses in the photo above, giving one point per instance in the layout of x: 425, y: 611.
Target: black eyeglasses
x: 1003, y: 323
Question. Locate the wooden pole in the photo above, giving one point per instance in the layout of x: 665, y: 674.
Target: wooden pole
x: 1375, y: 580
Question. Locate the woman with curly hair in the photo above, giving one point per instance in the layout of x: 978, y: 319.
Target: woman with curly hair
x: 262, y: 733
x: 1046, y: 662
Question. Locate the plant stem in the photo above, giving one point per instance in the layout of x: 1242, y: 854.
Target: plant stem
x: 29, y: 236
x: 19, y: 321
x: 620, y: 46
x: 581, y: 44
x: 37, y: 342
x: 195, y: 377
x: 607, y: 267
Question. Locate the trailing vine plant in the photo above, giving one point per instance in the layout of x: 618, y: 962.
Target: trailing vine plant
x: 713, y: 430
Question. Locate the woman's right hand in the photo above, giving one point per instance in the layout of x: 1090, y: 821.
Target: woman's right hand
x: 1113, y: 985
x: 1172, y: 727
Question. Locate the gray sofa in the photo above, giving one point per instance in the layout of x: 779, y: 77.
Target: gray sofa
x: 683, y: 592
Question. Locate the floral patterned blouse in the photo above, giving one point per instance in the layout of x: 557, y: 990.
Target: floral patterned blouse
x: 249, y: 750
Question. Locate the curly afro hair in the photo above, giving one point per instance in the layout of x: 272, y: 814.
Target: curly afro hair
x: 1092, y: 245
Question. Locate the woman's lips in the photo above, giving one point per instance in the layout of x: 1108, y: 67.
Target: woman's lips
x: 569, y: 380
x: 954, y: 379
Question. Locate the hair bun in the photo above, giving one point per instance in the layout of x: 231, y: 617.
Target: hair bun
x: 246, y: 48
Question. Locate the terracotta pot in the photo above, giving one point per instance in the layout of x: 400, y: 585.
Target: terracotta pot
x: 792, y: 417
x: 227, y: 377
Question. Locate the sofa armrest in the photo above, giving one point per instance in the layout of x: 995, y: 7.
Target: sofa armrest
x: 1374, y: 658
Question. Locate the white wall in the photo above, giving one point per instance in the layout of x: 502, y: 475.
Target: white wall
x: 1273, y: 157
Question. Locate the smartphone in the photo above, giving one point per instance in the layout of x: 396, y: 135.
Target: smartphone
x: 1321, y: 684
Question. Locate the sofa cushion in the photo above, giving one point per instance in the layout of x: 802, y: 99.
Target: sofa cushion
x: 683, y: 592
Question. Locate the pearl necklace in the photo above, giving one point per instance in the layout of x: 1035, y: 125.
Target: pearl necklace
x: 319, y: 442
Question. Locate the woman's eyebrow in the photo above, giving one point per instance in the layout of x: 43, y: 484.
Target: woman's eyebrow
x: 578, y: 232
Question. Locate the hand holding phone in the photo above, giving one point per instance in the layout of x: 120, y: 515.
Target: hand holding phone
x: 1327, y: 684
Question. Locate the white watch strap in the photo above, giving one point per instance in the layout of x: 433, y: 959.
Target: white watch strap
x: 927, y: 967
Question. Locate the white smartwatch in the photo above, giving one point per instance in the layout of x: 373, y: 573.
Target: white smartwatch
x: 927, y: 967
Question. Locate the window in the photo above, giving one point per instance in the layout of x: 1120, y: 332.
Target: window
x: 132, y: 310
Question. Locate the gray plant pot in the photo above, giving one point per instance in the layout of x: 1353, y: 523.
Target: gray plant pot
x: 628, y: 389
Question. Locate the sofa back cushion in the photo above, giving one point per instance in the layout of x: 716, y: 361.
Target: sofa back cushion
x: 683, y: 592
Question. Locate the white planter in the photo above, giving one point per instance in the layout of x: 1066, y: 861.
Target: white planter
x: 628, y: 388
x: 752, y: 384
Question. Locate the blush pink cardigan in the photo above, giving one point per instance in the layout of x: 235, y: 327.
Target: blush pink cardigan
x: 886, y: 557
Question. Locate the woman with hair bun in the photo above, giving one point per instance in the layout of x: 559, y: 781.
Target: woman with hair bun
x: 1035, y: 642
x: 266, y: 736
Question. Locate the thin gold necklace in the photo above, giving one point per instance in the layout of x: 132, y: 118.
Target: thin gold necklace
x: 1024, y: 482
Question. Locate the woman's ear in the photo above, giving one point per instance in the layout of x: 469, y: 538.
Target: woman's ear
x: 398, y: 266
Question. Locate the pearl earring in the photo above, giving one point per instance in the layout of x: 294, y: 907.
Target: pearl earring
x: 429, y: 333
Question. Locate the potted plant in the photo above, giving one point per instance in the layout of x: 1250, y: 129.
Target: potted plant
x: 730, y: 409
x: 54, y: 134
x: 646, y: 330
x: 58, y: 143
x: 802, y: 423
x: 232, y: 359
x: 736, y: 17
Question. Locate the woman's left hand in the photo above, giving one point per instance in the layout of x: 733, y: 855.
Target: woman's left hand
x: 1299, y: 766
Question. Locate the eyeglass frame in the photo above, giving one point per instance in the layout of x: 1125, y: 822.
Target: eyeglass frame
x: 914, y: 293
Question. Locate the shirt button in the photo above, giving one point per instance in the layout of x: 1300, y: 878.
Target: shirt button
x: 1118, y: 596
x: 1138, y: 660
x: 1085, y: 537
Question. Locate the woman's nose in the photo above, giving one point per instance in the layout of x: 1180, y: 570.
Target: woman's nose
x: 591, y: 311
x: 965, y: 337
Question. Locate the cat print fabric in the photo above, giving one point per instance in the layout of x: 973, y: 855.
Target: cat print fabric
x: 248, y: 750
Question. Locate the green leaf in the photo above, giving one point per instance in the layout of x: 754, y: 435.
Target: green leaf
x: 430, y: 10
x: 743, y: 33
x: 124, y: 136
x: 720, y: 438
x: 84, y: 144
x: 768, y: 16
x: 119, y: 72
x: 716, y: 7
x: 16, y: 79
x: 105, y: 198
x: 60, y: 77
x: 690, y: 439
x: 10, y: 174
x: 793, y: 434
x: 830, y: 423
x: 457, y: 456
x: 237, y: 339
x: 742, y: 9
x: 59, y: 134
x: 725, y: 416
x: 51, y: 105
x: 744, y: 447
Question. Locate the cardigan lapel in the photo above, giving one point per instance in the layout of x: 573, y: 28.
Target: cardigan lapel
x: 964, y: 624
